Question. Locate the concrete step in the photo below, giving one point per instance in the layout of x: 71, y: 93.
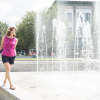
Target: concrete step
x: 18, y: 94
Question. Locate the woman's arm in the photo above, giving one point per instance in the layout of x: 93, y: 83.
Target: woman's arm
x: 16, y: 44
x: 2, y: 43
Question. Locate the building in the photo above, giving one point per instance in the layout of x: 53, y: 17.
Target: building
x: 70, y: 9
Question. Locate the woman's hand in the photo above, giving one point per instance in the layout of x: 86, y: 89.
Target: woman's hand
x: 0, y: 48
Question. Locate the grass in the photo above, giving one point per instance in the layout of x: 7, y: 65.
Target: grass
x: 34, y: 59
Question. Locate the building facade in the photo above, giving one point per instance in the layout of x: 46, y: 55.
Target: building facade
x: 70, y: 9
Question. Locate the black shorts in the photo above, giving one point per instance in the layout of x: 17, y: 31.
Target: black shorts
x: 8, y: 59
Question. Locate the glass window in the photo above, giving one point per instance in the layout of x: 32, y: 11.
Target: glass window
x: 87, y: 17
x: 69, y: 17
x: 77, y: 15
x: 80, y: 17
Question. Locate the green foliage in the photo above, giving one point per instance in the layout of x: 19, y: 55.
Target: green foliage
x: 26, y: 31
x: 3, y: 29
x: 48, y: 17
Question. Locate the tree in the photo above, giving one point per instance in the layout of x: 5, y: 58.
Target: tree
x: 26, y: 31
x: 47, y: 17
x: 3, y: 29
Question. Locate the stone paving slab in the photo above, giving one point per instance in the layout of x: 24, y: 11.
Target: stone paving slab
x: 59, y: 85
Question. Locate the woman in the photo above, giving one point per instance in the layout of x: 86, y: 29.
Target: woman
x: 8, y: 43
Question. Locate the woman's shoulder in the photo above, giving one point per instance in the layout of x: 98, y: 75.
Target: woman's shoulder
x: 16, y: 39
x: 3, y: 37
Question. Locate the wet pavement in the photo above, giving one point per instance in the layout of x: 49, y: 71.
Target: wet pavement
x: 59, y: 85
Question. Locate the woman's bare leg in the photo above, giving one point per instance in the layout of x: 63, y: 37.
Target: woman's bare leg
x: 7, y: 75
x: 5, y: 80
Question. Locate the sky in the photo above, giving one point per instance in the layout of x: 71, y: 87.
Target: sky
x: 12, y: 11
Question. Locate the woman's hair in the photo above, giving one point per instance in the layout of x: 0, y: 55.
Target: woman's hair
x: 9, y: 31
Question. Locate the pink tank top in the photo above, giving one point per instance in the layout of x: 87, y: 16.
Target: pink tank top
x: 9, y: 47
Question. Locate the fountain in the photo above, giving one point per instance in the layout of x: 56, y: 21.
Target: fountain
x: 53, y: 48
x: 83, y: 40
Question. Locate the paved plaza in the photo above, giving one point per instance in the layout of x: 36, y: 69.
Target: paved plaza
x: 65, y: 85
